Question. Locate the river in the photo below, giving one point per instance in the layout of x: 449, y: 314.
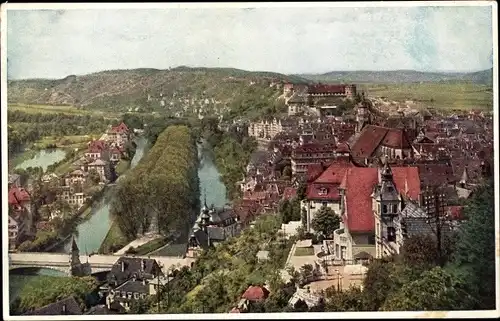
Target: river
x: 92, y: 232
x: 43, y: 158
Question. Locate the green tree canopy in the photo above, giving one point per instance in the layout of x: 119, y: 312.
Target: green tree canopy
x: 325, y: 221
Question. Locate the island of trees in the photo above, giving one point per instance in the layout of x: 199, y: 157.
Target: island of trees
x: 162, y: 191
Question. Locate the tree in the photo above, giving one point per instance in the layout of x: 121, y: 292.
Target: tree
x: 346, y: 300
x: 420, y: 250
x: 325, y: 221
x: 287, y: 172
x: 437, y: 289
x: 94, y: 176
x: 474, y: 252
x: 301, y: 191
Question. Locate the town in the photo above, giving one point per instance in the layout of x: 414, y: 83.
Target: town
x: 284, y: 159
x: 353, y: 187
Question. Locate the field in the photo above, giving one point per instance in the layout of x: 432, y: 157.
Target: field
x: 438, y: 95
x: 73, y: 141
x: 304, y: 251
x: 52, y: 109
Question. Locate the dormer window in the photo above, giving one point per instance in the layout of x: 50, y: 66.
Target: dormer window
x: 323, y: 191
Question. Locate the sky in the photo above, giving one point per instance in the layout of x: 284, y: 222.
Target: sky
x: 58, y: 43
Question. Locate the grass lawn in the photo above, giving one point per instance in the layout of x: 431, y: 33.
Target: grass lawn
x: 150, y: 246
x: 66, y: 166
x: 304, y: 251
x: 122, y: 166
x: 114, y: 238
x: 71, y: 140
x: 438, y: 95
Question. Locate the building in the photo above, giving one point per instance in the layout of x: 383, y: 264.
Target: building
x: 213, y: 226
x: 130, y: 279
x: 96, y: 149
x: 367, y: 200
x: 311, y: 153
x: 99, y: 166
x: 16, y: 230
x: 119, y: 135
x: 376, y: 141
x: 68, y: 306
x: 22, y: 210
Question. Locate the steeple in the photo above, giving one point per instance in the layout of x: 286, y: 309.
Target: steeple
x: 386, y: 174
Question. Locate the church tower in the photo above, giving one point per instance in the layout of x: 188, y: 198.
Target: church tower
x: 74, y: 261
x: 387, y: 206
x: 362, y: 116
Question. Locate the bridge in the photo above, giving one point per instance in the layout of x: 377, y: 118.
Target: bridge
x: 98, y: 263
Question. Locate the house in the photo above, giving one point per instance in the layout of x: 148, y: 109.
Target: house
x: 99, y: 166
x: 307, y: 154
x: 16, y: 230
x: 375, y: 141
x: 368, y: 200
x: 20, y: 203
x: 68, y: 306
x: 213, y: 226
x: 251, y: 295
x: 96, y: 149
x: 129, y: 280
x: 306, y: 296
x: 73, y: 194
x: 119, y: 135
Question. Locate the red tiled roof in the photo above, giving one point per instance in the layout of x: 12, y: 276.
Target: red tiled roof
x: 396, y: 138
x: 343, y: 148
x: 334, y: 173
x: 255, y: 293
x: 314, y: 191
x: 289, y: 193
x: 313, y: 171
x: 120, y: 128
x: 314, y: 148
x: 359, y: 186
x: 373, y: 136
x: 456, y: 212
x: 18, y: 195
x: 326, y: 89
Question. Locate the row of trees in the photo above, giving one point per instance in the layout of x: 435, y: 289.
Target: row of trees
x: 162, y: 188
x: 25, y: 128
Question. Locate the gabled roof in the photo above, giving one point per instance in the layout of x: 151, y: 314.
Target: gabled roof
x: 18, y: 195
x: 255, y: 293
x: 67, y: 306
x: 120, y: 128
x: 371, y: 137
x: 98, y: 162
x: 359, y: 184
x: 133, y: 266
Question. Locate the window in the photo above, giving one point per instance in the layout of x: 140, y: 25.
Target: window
x: 324, y: 203
x: 391, y: 234
x: 394, y: 208
x: 384, y: 209
x: 136, y: 295
x: 124, y: 294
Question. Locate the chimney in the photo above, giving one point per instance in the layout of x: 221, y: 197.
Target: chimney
x: 123, y: 266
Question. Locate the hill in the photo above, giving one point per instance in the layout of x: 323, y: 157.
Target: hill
x: 402, y: 76
x: 180, y: 90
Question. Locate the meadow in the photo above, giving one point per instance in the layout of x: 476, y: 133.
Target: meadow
x: 439, y: 95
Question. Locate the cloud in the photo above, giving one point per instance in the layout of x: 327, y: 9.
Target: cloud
x: 56, y: 43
